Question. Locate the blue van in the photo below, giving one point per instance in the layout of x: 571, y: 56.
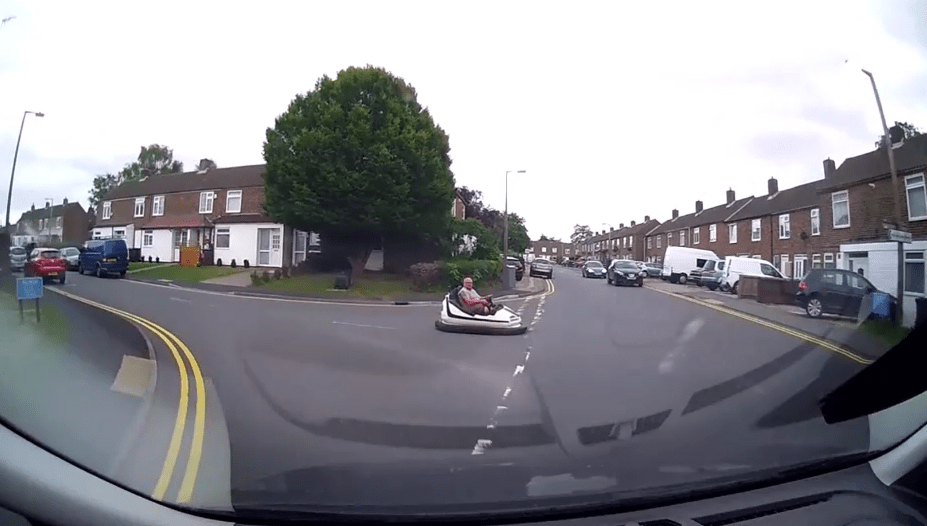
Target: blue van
x: 104, y: 256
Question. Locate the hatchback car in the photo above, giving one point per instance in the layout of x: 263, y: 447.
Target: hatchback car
x: 593, y: 269
x: 46, y: 263
x: 104, y: 256
x: 71, y: 254
x: 541, y: 267
x: 653, y: 270
x: 17, y: 258
x: 623, y: 272
x: 832, y: 291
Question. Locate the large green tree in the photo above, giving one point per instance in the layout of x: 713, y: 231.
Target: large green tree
x: 152, y: 160
x: 910, y: 130
x: 358, y: 159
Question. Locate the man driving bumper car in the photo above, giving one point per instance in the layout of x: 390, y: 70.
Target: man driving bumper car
x: 473, y: 303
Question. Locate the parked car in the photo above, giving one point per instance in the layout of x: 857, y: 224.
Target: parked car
x: 695, y: 276
x: 735, y: 267
x: 46, y: 263
x: 653, y: 270
x: 72, y: 255
x: 519, y: 267
x: 104, y: 256
x: 712, y: 278
x: 593, y: 269
x: 17, y: 258
x: 541, y: 267
x: 624, y: 272
x: 679, y: 261
x: 833, y: 291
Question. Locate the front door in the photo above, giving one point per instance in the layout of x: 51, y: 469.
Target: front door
x: 800, y: 266
x: 180, y: 240
x: 269, y: 242
x: 860, y: 265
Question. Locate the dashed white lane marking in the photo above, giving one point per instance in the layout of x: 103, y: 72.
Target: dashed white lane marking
x: 688, y: 332
x: 182, y: 300
x: 362, y: 325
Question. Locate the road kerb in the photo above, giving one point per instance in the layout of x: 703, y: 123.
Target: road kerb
x: 817, y: 340
x: 173, y: 343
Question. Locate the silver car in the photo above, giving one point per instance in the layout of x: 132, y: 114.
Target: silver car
x: 541, y: 267
x: 17, y: 258
x: 72, y: 255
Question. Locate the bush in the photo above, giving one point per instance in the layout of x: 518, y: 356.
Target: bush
x: 324, y: 263
x: 247, y: 265
x: 255, y: 279
x: 425, y: 276
x: 483, y: 271
x: 278, y: 273
x: 219, y: 262
x: 265, y: 276
x: 234, y: 264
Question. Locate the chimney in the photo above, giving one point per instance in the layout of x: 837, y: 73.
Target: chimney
x: 612, y: 229
x: 698, y: 206
x: 46, y: 204
x: 33, y: 207
x: 730, y: 196
x: 830, y: 168
x: 773, y: 185
x: 646, y: 219
x: 675, y: 213
x: 620, y: 225
x: 65, y: 201
x: 633, y: 222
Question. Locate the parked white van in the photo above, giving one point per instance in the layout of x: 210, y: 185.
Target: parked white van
x: 679, y: 261
x: 735, y: 267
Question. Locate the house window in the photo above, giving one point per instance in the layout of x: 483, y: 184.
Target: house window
x: 119, y: 233
x: 624, y: 242
x: 649, y: 243
x: 712, y: 233
x: 147, y: 238
x: 815, y: 221
x: 223, y: 237
x: 840, y: 201
x: 631, y: 241
x: 157, y: 205
x: 206, y: 199
x: 275, y: 241
x: 784, y: 229
x: 669, y: 238
x: 816, y: 261
x: 682, y: 238
x: 233, y: 201
x: 139, y: 206
x: 543, y: 250
x: 58, y: 221
x: 755, y: 232
x: 553, y: 250
x: 917, y: 197
x: 659, y: 241
x: 914, y: 272
x: 107, y: 210
x: 695, y: 235
x: 829, y: 261
x: 732, y: 232
x: 180, y: 238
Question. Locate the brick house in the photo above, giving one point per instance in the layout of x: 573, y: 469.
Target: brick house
x: 704, y: 229
x: 553, y: 249
x: 856, y: 202
x: 66, y: 223
x: 782, y: 227
x: 217, y: 208
x: 631, y: 240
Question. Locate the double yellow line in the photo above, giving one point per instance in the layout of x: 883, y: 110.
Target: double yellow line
x: 199, y: 422
x: 821, y: 342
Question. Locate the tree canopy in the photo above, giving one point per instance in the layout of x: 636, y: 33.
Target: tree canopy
x: 357, y: 159
x: 152, y: 160
x: 910, y: 130
x: 580, y: 233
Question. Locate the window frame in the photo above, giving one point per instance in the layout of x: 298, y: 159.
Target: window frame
x: 660, y: 241
x: 918, y: 259
x: 732, y: 229
x: 785, y: 226
x: 228, y: 196
x: 147, y: 238
x: 682, y: 238
x: 696, y: 235
x: 713, y: 233
x: 107, y: 209
x: 815, y: 221
x: 756, y: 227
x: 914, y: 186
x: 139, y: 210
x: 224, y: 231
x: 207, y: 198
x: 157, y: 205
x: 649, y: 243
x: 845, y: 194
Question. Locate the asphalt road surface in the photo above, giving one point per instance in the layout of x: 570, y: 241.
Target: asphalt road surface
x: 669, y: 389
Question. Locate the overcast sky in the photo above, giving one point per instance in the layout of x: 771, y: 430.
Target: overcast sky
x: 616, y: 109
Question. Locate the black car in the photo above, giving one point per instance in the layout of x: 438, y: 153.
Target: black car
x: 519, y: 267
x: 624, y: 272
x: 832, y: 291
x: 593, y: 269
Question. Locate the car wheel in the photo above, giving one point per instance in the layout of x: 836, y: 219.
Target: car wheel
x: 80, y: 269
x: 734, y: 288
x: 609, y: 279
x: 640, y: 283
x: 813, y: 307
x: 99, y: 270
x: 682, y: 279
x: 63, y: 278
x: 122, y: 274
x: 698, y: 284
x: 712, y: 287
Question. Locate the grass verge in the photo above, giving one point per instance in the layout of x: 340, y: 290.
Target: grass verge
x: 139, y: 265
x: 885, y: 329
x: 369, y: 285
x: 177, y: 272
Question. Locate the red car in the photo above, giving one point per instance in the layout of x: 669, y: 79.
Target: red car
x: 46, y: 263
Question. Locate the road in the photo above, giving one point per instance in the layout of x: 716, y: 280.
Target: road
x: 666, y: 391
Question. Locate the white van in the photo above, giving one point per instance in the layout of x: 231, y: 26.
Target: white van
x: 679, y: 261
x: 735, y: 267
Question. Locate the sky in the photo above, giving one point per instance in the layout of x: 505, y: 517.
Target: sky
x: 615, y: 110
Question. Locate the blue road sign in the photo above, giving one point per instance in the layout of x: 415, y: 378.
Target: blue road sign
x: 28, y: 288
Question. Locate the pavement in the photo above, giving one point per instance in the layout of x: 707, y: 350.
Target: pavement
x: 239, y: 279
x: 646, y: 385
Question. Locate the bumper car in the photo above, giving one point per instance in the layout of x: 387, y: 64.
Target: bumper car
x: 453, y: 318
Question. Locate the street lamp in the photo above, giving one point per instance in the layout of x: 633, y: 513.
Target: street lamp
x: 9, y: 195
x: 505, y: 220
x: 891, y: 164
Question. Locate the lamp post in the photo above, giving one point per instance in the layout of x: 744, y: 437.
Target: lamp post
x: 9, y: 195
x: 891, y: 164
x: 505, y: 219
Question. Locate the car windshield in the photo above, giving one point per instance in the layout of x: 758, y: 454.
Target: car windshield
x: 444, y: 258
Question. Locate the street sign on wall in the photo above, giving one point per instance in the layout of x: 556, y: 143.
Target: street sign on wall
x: 900, y: 235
